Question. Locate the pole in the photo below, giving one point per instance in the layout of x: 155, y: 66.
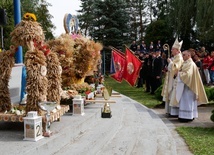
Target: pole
x: 17, y: 19
x: 19, y: 53
x: 104, y: 62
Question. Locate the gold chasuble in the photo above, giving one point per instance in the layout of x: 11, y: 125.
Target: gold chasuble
x: 173, y: 68
x: 190, y: 76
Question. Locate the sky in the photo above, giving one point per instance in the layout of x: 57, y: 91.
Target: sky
x: 58, y: 10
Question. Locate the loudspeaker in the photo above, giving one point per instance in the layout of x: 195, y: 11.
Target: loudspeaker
x: 3, y: 17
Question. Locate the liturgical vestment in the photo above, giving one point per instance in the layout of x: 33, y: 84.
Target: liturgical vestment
x: 189, y: 91
x: 167, y: 90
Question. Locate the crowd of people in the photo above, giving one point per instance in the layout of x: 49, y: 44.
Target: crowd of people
x: 154, y: 62
x: 205, y: 63
x: 185, y: 74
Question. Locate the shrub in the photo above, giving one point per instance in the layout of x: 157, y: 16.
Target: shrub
x: 158, y: 93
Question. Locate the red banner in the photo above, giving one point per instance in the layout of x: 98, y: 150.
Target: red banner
x: 132, y: 68
x: 118, y: 64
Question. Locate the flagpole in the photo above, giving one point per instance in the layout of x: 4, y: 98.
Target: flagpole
x: 129, y: 48
x: 104, y: 62
x: 113, y: 48
x: 132, y: 52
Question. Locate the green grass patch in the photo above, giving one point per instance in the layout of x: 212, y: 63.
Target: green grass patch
x: 137, y: 94
x: 200, y: 140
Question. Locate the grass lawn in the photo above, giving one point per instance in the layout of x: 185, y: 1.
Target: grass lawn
x: 200, y: 140
x: 137, y: 94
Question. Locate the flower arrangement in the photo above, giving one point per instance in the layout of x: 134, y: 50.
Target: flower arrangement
x: 82, y: 89
x: 18, y: 110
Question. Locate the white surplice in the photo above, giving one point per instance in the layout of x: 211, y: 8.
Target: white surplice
x: 187, y: 101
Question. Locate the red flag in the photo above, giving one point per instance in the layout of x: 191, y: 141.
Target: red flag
x: 132, y: 68
x: 118, y: 62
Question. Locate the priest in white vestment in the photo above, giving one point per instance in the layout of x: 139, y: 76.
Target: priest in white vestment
x: 189, y: 89
x: 174, y: 65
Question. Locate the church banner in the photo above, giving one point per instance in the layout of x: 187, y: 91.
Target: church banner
x: 117, y: 65
x: 132, y: 67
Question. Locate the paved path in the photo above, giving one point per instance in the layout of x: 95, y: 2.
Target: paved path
x: 203, y: 120
x: 132, y: 130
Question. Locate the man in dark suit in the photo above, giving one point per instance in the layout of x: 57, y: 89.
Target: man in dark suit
x: 146, y: 70
x: 157, y: 67
x: 133, y: 46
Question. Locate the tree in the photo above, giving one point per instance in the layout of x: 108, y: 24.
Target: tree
x: 158, y: 30
x: 86, y: 16
x: 44, y: 18
x: 162, y: 9
x: 182, y: 19
x: 109, y: 24
x: 39, y: 8
x: 205, y: 22
x: 138, y: 18
x: 7, y: 5
x: 190, y: 20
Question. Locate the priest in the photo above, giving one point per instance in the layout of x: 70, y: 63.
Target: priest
x: 174, y: 65
x: 189, y: 89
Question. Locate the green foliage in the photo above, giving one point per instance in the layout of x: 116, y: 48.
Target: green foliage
x: 182, y: 19
x: 44, y: 18
x: 210, y: 93
x: 205, y: 18
x: 163, y: 9
x: 107, y: 21
x: 139, y: 18
x: 208, y: 90
x: 117, y: 22
x: 212, y: 117
x: 200, y: 140
x: 192, y: 20
x: 158, y: 93
x: 86, y: 16
x: 158, y: 30
x: 39, y: 8
x: 211, y: 96
x: 7, y: 4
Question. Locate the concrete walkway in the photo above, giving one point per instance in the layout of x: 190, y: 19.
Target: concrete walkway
x: 132, y: 130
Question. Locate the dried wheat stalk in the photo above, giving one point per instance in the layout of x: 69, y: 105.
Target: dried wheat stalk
x: 36, y: 79
x: 26, y: 32
x: 54, y: 78
x: 6, y: 64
